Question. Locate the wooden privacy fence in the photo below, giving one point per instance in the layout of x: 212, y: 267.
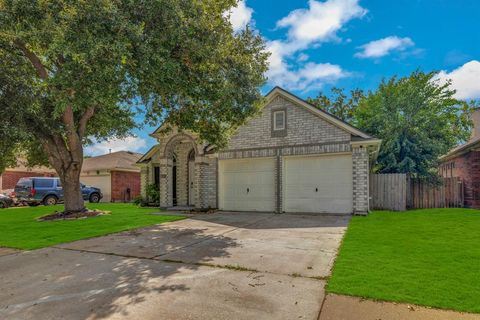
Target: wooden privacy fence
x: 388, y: 191
x: 399, y: 192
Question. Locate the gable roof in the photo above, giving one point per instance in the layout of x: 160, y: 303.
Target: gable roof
x: 318, y: 112
x: 308, y: 106
x: 149, y: 154
x: 121, y: 160
x: 472, y: 145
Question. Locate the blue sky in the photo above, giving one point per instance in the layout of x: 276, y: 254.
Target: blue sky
x: 315, y: 45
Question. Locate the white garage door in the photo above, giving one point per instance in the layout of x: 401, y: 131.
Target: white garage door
x: 247, y: 185
x: 103, y: 182
x: 318, y: 184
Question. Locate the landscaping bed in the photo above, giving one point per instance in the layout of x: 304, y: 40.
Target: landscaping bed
x: 427, y: 257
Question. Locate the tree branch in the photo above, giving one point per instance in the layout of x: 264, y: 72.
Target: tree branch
x: 82, y: 125
x: 73, y: 140
x: 36, y: 62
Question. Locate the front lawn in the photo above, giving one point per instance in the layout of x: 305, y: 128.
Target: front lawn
x: 427, y: 257
x: 19, y: 228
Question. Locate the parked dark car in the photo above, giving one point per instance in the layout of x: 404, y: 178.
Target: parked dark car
x: 49, y: 191
x: 5, y: 201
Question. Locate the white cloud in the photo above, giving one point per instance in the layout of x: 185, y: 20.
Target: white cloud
x: 308, y: 28
x: 383, y: 47
x: 128, y: 144
x: 240, y: 16
x: 321, y: 20
x: 465, y: 80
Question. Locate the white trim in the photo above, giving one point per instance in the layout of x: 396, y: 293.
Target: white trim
x: 327, y: 117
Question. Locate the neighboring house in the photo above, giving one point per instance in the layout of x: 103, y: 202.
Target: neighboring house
x: 10, y: 177
x: 464, y: 162
x: 291, y: 157
x: 116, y: 174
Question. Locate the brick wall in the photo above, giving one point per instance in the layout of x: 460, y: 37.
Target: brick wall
x: 360, y: 180
x: 121, y: 181
x: 302, y: 128
x: 10, y: 178
x: 466, y: 167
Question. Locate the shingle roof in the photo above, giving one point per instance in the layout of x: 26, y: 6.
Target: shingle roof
x: 464, y: 148
x: 121, y: 160
x: 22, y: 166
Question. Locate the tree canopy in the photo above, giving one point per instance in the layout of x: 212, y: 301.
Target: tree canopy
x: 338, y: 103
x: 418, y: 119
x: 73, y: 71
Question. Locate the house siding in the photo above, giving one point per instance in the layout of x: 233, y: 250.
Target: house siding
x: 467, y: 168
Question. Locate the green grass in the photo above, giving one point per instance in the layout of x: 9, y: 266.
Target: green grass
x: 20, y: 229
x: 425, y: 257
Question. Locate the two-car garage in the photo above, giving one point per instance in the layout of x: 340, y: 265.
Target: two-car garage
x: 308, y: 184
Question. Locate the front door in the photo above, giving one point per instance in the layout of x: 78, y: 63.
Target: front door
x: 191, y: 183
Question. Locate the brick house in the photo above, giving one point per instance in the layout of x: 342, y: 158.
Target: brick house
x: 10, y: 177
x: 116, y: 174
x: 464, y: 162
x: 291, y: 157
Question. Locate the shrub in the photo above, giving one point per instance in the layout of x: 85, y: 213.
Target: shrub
x: 153, y: 193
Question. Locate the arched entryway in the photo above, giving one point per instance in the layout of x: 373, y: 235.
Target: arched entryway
x: 179, y: 181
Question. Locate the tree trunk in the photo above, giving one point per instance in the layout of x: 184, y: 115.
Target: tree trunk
x: 68, y: 165
x: 72, y: 192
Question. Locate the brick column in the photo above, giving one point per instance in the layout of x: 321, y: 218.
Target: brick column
x: 144, y: 178
x: 166, y: 188
x: 360, y: 180
x: 205, y: 182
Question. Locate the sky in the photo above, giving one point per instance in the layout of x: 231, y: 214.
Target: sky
x: 350, y: 44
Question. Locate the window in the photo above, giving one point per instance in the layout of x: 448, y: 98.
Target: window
x: 43, y: 183
x: 279, y: 120
x: 156, y: 176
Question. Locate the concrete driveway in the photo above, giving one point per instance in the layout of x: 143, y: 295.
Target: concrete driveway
x: 216, y: 266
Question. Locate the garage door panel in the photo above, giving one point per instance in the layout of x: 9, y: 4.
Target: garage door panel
x: 247, y: 185
x: 318, y: 184
x: 99, y: 181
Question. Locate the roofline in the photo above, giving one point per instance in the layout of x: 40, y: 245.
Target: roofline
x: 143, y: 158
x: 321, y: 113
x: 460, y: 150
x: 113, y: 169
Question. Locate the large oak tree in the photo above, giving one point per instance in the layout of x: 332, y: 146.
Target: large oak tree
x: 72, y: 71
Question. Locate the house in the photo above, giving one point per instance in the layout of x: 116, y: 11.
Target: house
x: 291, y: 157
x: 116, y: 174
x: 464, y: 162
x: 10, y: 177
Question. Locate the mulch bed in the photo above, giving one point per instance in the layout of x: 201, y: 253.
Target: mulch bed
x: 68, y: 215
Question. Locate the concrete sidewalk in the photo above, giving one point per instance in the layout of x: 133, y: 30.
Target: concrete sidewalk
x: 337, y: 307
